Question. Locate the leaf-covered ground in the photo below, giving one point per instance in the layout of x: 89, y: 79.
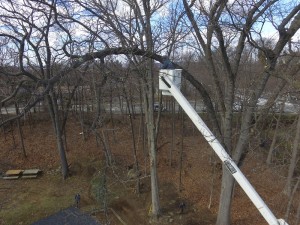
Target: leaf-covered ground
x: 26, y: 201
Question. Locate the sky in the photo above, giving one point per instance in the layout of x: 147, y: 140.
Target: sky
x: 123, y: 9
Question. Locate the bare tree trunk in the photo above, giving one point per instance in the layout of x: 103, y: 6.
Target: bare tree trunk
x: 269, y: 158
x: 142, y: 127
x: 20, y: 132
x: 293, y: 161
x: 136, y: 163
x: 110, y: 109
x: 148, y: 102
x: 225, y: 197
x: 195, y: 107
x: 181, y: 151
x: 98, y: 96
x: 148, y: 96
x: 298, y: 214
x: 172, y: 148
x: 62, y: 152
x: 212, y: 186
x: 291, y: 198
x: 106, y: 147
x: 121, y: 104
x: 105, y: 193
x: 144, y: 137
x: 54, y: 114
x: 2, y: 127
x: 81, y: 112
x: 12, y: 131
x: 102, y: 188
x: 131, y: 101
x: 272, y: 147
x: 13, y: 134
x: 30, y: 120
x: 157, y: 124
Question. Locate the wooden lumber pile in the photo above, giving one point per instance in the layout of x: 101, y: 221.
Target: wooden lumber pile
x: 24, y: 174
x: 12, y: 174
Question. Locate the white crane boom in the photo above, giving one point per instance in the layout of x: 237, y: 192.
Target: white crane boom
x: 167, y: 85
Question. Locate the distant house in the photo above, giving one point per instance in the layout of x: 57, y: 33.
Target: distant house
x: 69, y: 216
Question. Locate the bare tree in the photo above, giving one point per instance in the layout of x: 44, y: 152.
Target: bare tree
x: 241, y: 19
x: 294, y: 159
x: 29, y: 31
x: 290, y: 201
x: 20, y: 131
x: 274, y: 139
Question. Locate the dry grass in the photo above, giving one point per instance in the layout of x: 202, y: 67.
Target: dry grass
x: 30, y: 200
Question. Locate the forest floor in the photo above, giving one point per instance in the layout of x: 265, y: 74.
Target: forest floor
x: 23, y: 202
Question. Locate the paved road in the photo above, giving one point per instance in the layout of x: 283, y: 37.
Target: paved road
x: 199, y: 107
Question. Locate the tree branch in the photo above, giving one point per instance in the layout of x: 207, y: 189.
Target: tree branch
x: 12, y: 95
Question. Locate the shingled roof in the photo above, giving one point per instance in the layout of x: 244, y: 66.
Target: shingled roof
x: 69, y: 216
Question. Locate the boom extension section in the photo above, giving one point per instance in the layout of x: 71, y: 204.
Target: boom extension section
x: 166, y: 85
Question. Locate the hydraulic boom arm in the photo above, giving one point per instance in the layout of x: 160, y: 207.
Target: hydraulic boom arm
x: 221, y: 152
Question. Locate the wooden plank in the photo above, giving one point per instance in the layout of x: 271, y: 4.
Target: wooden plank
x: 31, y: 172
x: 29, y: 176
x: 11, y: 177
x: 13, y: 172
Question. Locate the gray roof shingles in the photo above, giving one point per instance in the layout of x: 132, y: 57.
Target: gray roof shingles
x: 69, y: 216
